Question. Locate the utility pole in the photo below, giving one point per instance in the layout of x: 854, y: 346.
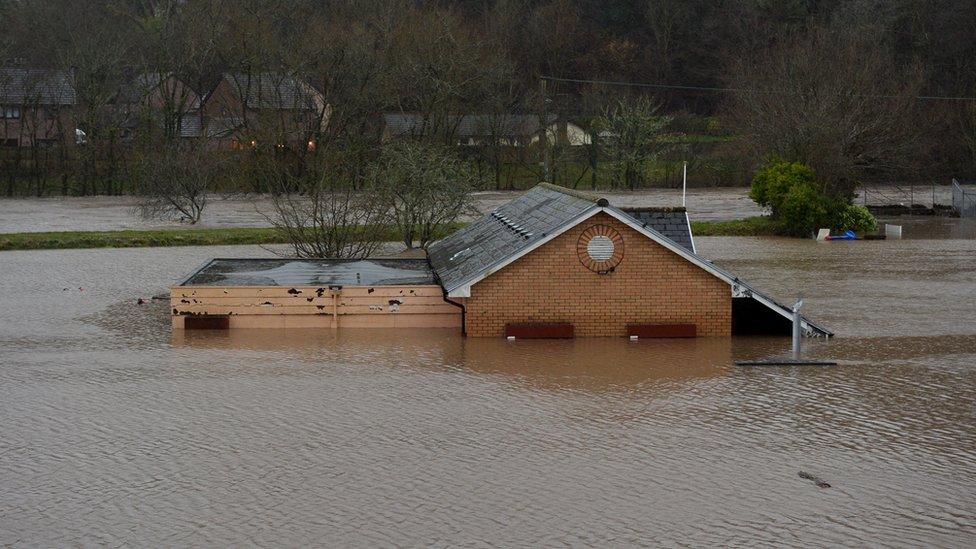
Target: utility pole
x: 543, y: 138
x: 796, y: 327
x: 684, y: 182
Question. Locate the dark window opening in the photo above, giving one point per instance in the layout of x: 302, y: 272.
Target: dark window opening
x: 750, y: 317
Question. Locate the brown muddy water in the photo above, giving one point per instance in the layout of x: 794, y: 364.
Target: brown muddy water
x: 114, y: 432
x: 112, y: 213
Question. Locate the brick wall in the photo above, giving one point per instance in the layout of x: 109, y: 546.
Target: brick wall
x: 651, y: 285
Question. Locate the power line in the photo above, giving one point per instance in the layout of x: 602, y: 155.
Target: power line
x: 735, y: 90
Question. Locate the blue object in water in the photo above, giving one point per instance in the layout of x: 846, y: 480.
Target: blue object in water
x: 848, y: 235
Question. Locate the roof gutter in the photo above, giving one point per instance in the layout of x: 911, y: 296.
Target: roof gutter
x: 447, y: 299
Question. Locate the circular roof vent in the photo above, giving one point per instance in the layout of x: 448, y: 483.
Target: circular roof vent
x: 600, y: 248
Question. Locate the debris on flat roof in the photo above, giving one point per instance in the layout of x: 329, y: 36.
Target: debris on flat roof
x: 312, y: 272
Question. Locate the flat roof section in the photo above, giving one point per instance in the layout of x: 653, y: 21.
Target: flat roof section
x: 313, y: 272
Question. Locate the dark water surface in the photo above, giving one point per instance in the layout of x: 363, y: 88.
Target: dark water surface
x: 114, y: 432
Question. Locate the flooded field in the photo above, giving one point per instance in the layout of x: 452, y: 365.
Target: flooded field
x: 115, y: 432
x: 109, y: 213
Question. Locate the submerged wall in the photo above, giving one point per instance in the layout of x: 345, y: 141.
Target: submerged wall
x: 414, y: 306
x: 650, y: 285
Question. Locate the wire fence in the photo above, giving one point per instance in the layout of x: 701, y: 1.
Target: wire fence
x: 964, y: 198
x: 908, y: 195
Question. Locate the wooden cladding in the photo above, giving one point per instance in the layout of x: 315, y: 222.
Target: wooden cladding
x: 301, y: 306
x: 662, y: 330
x: 531, y: 330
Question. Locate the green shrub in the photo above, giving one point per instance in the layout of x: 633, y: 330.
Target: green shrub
x: 799, y: 206
x: 803, y: 210
x: 773, y: 182
x: 854, y: 217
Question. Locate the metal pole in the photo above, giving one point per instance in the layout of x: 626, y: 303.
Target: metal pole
x: 684, y: 182
x: 543, y: 131
x: 796, y: 328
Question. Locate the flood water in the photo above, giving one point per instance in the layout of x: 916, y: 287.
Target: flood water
x: 114, y: 432
x: 113, y: 213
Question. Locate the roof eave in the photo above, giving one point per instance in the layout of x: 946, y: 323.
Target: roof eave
x: 463, y: 287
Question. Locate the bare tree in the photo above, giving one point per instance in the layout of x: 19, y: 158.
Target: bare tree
x: 174, y: 181
x: 633, y: 133
x: 425, y: 187
x: 328, y: 217
x: 833, y: 99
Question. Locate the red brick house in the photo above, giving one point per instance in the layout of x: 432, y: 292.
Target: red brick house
x: 162, y: 101
x: 558, y: 258
x: 36, y: 107
x: 248, y: 109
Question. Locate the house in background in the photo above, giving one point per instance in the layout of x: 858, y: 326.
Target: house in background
x: 161, y: 101
x: 36, y: 107
x: 566, y: 133
x: 510, y: 130
x: 244, y: 109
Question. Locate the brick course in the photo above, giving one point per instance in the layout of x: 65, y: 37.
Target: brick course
x: 651, y: 285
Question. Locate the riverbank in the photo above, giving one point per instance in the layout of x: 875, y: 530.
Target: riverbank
x: 120, y: 213
x: 60, y: 240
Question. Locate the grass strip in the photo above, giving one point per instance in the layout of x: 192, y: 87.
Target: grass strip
x: 751, y: 226
x: 139, y: 239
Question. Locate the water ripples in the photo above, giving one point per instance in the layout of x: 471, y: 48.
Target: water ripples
x: 115, y: 432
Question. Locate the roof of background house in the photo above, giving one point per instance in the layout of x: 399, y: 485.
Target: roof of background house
x: 191, y: 126
x: 135, y: 89
x: 272, y: 90
x: 465, y: 126
x: 45, y: 87
x: 545, y: 211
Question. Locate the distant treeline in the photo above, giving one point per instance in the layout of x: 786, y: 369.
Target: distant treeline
x: 860, y: 90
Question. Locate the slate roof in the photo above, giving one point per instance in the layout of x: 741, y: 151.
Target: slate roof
x: 671, y: 222
x: 271, y: 90
x: 191, y: 126
x: 465, y: 126
x: 508, y: 230
x: 137, y: 88
x: 45, y: 87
